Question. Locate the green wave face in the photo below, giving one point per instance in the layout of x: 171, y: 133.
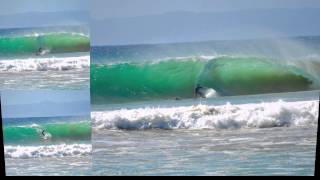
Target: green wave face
x: 54, y: 42
x: 166, y: 79
x: 244, y: 76
x: 53, y: 132
x: 170, y: 79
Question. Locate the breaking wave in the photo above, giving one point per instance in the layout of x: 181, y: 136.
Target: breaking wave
x: 228, y: 116
x: 45, y: 64
x: 64, y: 150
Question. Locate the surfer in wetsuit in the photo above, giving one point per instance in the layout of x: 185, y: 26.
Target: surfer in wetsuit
x: 45, y: 136
x: 43, y: 133
x: 40, y: 52
x: 198, y: 91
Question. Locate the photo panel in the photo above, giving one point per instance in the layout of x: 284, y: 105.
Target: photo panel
x: 44, y: 45
x: 45, y: 58
x: 44, y: 87
x: 204, y: 87
x: 140, y: 87
x: 46, y: 132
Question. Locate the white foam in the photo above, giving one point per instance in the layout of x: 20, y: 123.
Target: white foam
x: 204, y: 58
x: 228, y: 116
x: 45, y: 64
x: 37, y: 34
x: 25, y: 152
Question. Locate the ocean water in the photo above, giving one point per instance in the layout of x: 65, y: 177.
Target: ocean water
x: 44, y: 58
x: 263, y: 136
x: 66, y: 166
x: 259, y: 117
x: 274, y: 151
x: 48, y: 146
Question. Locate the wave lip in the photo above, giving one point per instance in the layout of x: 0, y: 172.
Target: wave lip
x: 45, y: 64
x: 262, y: 115
x: 64, y: 150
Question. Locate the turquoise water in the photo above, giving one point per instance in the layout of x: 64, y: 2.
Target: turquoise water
x: 27, y: 41
x: 32, y: 131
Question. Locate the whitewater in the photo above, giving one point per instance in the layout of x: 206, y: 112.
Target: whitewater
x: 50, y: 151
x: 228, y: 116
x: 45, y: 64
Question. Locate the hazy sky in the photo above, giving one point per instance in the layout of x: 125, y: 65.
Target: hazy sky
x: 23, y: 6
x: 45, y: 103
x: 101, y: 9
x: 42, y: 13
x: 127, y: 22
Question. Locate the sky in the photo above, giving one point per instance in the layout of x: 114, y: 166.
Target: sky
x: 127, y: 22
x: 44, y: 103
x: 123, y: 22
x: 101, y: 9
x: 25, y: 6
x: 39, y: 13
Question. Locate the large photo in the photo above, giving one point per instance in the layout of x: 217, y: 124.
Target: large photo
x: 204, y: 87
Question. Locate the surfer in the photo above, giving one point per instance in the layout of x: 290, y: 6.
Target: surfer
x: 199, y: 91
x: 43, y: 133
x: 40, y: 52
x: 45, y: 136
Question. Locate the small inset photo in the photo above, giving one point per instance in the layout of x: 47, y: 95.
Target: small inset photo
x: 44, y: 58
x: 46, y: 132
x: 44, y: 45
